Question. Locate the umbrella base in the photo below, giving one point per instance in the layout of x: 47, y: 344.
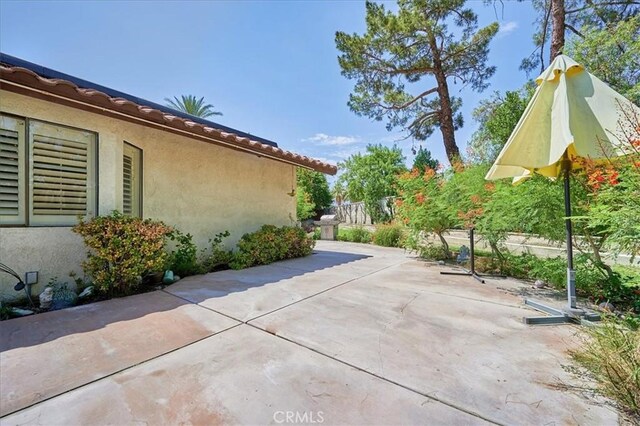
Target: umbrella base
x: 557, y: 316
x: 465, y: 273
x: 472, y: 272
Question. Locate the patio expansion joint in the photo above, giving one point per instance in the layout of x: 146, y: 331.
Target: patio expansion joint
x: 106, y: 376
x: 287, y: 305
x: 325, y: 290
x: 384, y: 379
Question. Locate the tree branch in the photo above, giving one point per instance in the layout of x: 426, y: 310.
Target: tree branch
x: 410, y: 102
x: 418, y: 121
x: 544, y: 34
x: 570, y: 27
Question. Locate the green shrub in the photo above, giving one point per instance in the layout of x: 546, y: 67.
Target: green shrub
x: 316, y: 234
x: 216, y: 256
x: 6, y: 312
x: 270, y: 244
x: 122, y: 250
x: 355, y: 235
x: 611, y: 354
x: 622, y: 287
x: 433, y: 251
x: 183, y: 261
x: 389, y: 235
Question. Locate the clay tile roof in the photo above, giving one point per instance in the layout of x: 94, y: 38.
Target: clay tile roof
x: 27, y: 78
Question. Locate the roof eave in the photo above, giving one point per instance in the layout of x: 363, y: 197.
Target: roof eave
x: 24, y: 81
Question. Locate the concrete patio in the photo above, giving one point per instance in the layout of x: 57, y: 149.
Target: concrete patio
x: 353, y: 334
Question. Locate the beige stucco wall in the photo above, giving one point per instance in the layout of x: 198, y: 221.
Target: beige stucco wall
x: 198, y: 187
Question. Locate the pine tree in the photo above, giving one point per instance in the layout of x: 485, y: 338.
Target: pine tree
x: 404, y: 63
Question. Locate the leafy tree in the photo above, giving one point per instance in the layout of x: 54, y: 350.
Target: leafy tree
x: 372, y: 176
x: 557, y: 18
x: 316, y: 186
x: 533, y: 207
x: 498, y: 117
x: 191, y: 105
x: 424, y: 161
x: 339, y: 192
x: 392, y: 61
x: 612, y: 54
x: 305, y: 208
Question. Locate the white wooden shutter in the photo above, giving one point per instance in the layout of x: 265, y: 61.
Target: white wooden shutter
x: 132, y: 181
x: 12, y: 176
x: 62, y: 174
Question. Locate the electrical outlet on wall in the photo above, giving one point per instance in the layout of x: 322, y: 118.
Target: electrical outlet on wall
x: 31, y: 277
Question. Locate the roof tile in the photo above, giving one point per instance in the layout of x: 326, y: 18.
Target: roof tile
x: 60, y: 87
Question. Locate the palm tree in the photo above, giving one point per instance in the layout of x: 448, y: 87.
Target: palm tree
x: 191, y: 105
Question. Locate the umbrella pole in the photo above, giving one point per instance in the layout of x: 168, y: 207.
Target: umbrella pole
x: 571, y: 273
x: 571, y: 313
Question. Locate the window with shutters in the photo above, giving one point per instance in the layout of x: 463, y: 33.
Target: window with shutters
x: 61, y: 174
x: 132, y: 181
x: 12, y: 183
x: 48, y: 174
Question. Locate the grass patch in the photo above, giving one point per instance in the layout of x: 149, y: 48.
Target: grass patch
x: 611, y: 355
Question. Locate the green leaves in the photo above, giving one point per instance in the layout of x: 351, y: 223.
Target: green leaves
x: 612, y: 54
x: 424, y: 161
x: 122, y: 249
x: 270, y: 244
x: 371, y: 177
x: 305, y: 208
x: 315, y: 185
x: 191, y: 105
x: 497, y: 116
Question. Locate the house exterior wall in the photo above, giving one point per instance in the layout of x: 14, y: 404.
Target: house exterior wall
x: 198, y: 187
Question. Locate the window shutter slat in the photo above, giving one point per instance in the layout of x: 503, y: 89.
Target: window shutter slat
x: 11, y: 171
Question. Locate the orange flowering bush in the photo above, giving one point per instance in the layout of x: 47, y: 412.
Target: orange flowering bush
x: 122, y: 250
x: 422, y: 206
x: 613, y: 185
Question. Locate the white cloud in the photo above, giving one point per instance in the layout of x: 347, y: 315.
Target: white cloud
x: 346, y: 153
x: 324, y: 139
x: 507, y: 28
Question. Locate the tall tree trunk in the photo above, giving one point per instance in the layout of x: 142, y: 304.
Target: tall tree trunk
x: 446, y: 113
x: 557, y: 27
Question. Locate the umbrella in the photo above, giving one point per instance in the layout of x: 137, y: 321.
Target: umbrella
x: 572, y: 115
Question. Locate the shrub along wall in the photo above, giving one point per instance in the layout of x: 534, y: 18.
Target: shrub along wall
x: 124, y: 250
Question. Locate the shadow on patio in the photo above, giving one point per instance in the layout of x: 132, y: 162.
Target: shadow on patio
x: 42, y: 328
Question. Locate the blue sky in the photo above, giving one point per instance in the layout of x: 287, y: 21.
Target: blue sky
x: 270, y: 66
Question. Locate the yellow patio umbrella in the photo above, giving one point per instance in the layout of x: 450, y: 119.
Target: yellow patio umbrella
x: 572, y: 115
